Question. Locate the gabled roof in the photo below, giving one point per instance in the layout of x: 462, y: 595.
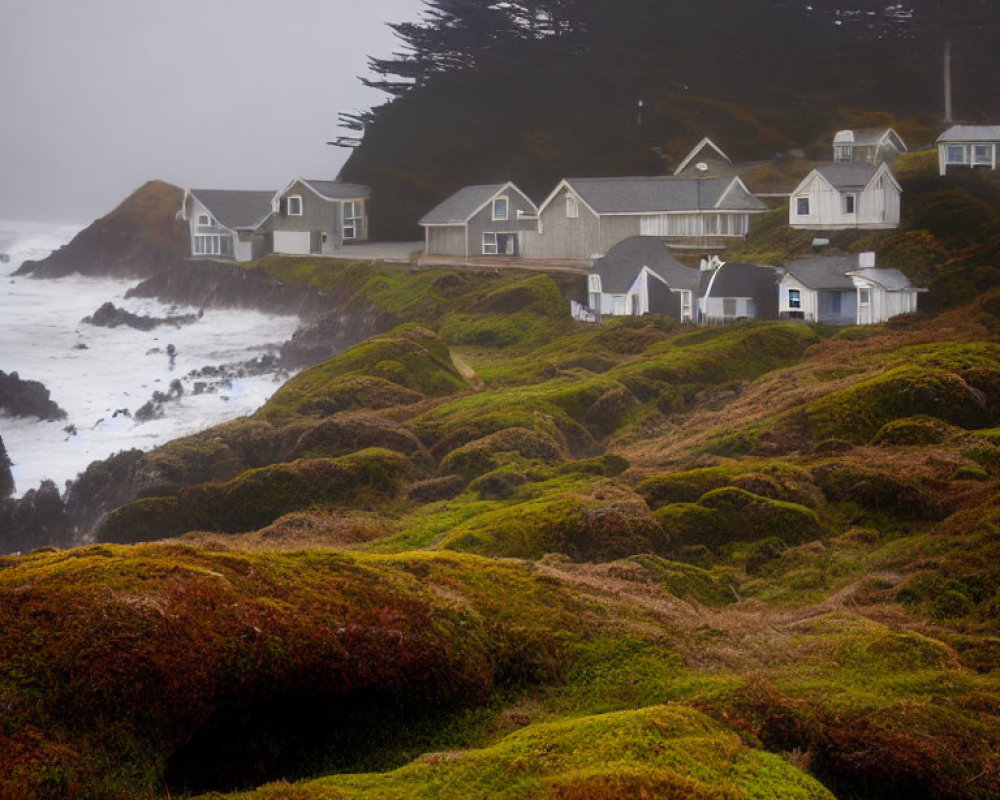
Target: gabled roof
x: 846, y: 175
x: 466, y: 203
x: 623, y: 262
x: 971, y: 133
x: 660, y: 194
x: 890, y: 279
x: 736, y: 279
x: 823, y: 272
x: 709, y: 153
x: 867, y: 137
x: 235, y: 208
x: 331, y: 190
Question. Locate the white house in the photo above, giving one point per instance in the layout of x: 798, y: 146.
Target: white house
x: 969, y: 146
x: 882, y: 294
x: 844, y: 196
x: 228, y: 223
x: 818, y: 289
x: 867, y: 145
x: 640, y: 275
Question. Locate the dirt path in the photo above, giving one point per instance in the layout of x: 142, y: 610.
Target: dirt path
x: 466, y: 371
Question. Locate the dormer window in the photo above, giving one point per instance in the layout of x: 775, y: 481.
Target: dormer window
x: 295, y: 205
x: 500, y: 208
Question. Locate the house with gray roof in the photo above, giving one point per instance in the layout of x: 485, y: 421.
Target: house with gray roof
x: 969, y: 146
x: 484, y: 220
x: 867, y: 145
x: 583, y: 218
x: 228, y: 223
x: 846, y: 195
x: 319, y: 217
x: 732, y: 290
x: 882, y: 294
x: 818, y: 289
x: 640, y: 275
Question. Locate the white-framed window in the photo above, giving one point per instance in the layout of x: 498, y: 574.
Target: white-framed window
x: 211, y: 245
x: 686, y: 311
x: 572, y: 207
x: 802, y: 206
x: 794, y: 298
x: 955, y: 154
x: 501, y: 208
x: 729, y: 307
x: 842, y: 152
x: 352, y: 219
x: 981, y: 154
x: 850, y: 203
x: 295, y: 205
x: 594, y: 284
x: 864, y: 295
x: 489, y: 244
x: 204, y: 220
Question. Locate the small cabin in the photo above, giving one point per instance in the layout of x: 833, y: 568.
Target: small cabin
x: 969, y: 147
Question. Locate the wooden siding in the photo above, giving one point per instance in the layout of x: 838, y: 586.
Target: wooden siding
x: 318, y: 216
x: 562, y: 237
x: 615, y: 229
x: 874, y: 207
x: 483, y: 222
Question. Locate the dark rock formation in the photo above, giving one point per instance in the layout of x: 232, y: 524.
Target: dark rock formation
x: 110, y: 316
x: 38, y: 519
x: 220, y: 285
x: 22, y: 398
x: 139, y: 238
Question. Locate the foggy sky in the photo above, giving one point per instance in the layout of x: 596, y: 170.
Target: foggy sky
x: 99, y: 96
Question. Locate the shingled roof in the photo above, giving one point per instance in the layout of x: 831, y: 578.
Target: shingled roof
x: 848, y: 175
x: 623, y: 262
x: 236, y: 208
x: 891, y: 279
x: 643, y: 195
x: 823, y: 272
x: 971, y: 133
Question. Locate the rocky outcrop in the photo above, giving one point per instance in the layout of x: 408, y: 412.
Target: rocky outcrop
x: 22, y: 398
x: 110, y: 316
x: 139, y: 238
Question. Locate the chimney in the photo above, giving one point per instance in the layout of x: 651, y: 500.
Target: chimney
x: 866, y: 260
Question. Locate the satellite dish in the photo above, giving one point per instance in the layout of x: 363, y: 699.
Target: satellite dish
x: 701, y: 166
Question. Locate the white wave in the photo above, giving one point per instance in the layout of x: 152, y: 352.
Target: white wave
x: 24, y: 241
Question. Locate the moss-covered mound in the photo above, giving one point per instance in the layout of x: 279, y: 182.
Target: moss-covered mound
x: 728, y: 515
x: 600, y: 522
x: 491, y: 452
x: 773, y: 479
x: 214, y: 669
x: 396, y: 368
x: 663, y: 752
x: 258, y: 497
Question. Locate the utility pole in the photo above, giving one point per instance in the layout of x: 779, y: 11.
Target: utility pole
x: 947, y: 81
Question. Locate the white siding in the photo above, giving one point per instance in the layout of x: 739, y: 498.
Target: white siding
x: 876, y: 206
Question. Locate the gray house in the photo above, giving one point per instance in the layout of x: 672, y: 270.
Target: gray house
x: 969, y: 146
x: 640, y: 275
x: 867, y: 145
x: 319, y: 217
x: 818, y: 289
x: 228, y: 223
x: 729, y: 291
x: 584, y: 218
x: 483, y: 220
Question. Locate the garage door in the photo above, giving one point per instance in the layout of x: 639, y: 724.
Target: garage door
x: 292, y: 242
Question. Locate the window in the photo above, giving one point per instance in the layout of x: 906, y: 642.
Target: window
x: 850, y: 200
x: 211, y: 245
x: 594, y: 284
x: 204, y: 219
x: 802, y: 206
x: 500, y: 208
x: 981, y: 154
x: 295, y: 206
x: 842, y: 152
x: 794, y: 298
x: 864, y: 295
x: 728, y: 306
x: 686, y: 315
x: 572, y: 207
x: 352, y: 220
x: 955, y: 154
x: 489, y: 244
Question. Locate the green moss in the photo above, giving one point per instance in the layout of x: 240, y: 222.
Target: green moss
x: 774, y: 479
x: 918, y: 430
x: 727, y: 515
x: 490, y: 452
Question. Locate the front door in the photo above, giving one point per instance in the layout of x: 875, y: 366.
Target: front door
x: 507, y: 244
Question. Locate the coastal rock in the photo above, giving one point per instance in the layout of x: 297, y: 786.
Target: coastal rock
x: 21, y: 398
x: 110, y: 316
x: 139, y: 238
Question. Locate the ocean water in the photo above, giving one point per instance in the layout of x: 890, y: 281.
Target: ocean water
x: 94, y: 372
